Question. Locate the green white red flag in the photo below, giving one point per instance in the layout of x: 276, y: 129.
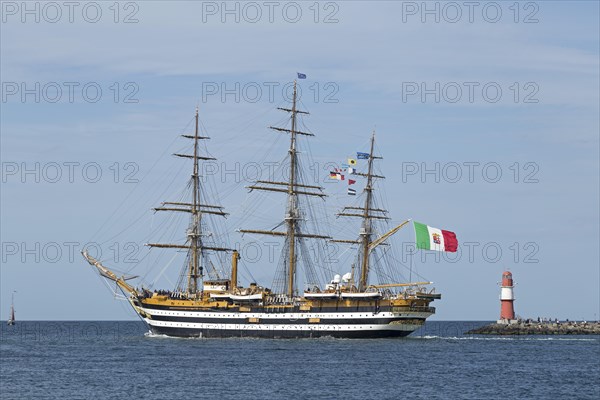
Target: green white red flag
x: 430, y: 238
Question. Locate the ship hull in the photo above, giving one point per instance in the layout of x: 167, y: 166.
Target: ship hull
x: 275, y: 332
x: 225, y: 324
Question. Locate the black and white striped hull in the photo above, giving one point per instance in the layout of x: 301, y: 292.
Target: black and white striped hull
x: 220, y: 324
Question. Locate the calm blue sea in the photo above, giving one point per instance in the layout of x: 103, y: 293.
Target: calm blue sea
x: 107, y: 360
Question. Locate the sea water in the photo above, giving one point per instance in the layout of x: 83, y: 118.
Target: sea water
x: 107, y: 360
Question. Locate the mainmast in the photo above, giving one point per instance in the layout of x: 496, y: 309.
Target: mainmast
x: 292, y: 211
x: 293, y: 189
x: 194, y: 243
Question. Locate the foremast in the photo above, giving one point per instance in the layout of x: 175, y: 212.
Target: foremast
x: 194, y: 235
x: 293, y: 189
x: 194, y: 243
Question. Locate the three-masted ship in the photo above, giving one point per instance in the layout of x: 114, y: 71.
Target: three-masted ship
x: 349, y: 306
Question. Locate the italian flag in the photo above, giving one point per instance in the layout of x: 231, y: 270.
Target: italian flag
x: 430, y: 238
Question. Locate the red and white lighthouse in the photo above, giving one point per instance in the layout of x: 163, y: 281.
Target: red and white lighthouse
x: 507, y: 298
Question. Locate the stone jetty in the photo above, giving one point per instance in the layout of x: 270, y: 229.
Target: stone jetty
x: 532, y: 327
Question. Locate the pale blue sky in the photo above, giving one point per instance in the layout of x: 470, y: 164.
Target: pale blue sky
x: 370, y: 57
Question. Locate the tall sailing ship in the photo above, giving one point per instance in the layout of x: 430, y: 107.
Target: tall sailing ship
x: 349, y: 306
